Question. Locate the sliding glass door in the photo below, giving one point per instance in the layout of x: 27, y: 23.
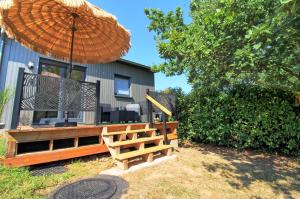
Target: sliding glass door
x: 52, y: 68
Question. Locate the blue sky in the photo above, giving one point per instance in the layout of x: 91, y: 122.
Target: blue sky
x: 130, y: 13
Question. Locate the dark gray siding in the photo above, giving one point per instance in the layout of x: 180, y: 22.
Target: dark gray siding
x: 141, y: 80
x: 17, y: 56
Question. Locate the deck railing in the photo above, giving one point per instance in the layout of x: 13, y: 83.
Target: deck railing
x: 36, y: 92
x: 163, y: 102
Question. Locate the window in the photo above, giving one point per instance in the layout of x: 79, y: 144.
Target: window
x: 122, y: 86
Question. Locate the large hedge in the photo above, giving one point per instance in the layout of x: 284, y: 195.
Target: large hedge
x: 242, y: 117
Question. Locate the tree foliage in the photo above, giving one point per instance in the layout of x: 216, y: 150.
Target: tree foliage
x: 230, y: 42
x: 243, y: 61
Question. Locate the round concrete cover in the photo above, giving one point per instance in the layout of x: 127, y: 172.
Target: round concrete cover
x: 103, y: 187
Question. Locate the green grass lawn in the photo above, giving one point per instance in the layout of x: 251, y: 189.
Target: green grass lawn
x: 2, y: 146
x: 16, y: 183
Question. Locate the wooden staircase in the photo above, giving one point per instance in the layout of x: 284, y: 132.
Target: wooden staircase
x: 133, y: 146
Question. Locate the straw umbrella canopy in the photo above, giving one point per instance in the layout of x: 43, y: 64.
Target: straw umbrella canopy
x: 73, y: 30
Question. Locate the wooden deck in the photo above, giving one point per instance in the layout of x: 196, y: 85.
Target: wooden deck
x: 30, y: 146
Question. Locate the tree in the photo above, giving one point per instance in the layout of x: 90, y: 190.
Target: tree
x: 230, y: 42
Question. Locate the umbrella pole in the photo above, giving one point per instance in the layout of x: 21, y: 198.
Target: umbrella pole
x: 73, y: 29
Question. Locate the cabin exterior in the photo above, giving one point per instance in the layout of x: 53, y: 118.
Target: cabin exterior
x: 122, y: 82
x: 119, y: 88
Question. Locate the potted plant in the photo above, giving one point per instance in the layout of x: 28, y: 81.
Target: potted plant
x: 4, y: 99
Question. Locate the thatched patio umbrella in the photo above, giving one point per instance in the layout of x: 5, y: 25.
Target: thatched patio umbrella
x: 73, y: 30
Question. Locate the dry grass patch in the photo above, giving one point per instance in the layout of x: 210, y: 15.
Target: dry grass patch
x: 210, y: 172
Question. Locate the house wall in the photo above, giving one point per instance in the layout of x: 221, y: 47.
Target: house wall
x: 17, y: 56
x: 141, y: 80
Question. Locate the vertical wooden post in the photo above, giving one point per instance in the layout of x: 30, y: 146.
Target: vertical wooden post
x: 51, y: 145
x: 11, y: 147
x: 166, y: 141
x: 150, y: 111
x: 17, y: 102
x: 98, y: 111
x: 148, y: 105
x: 176, y: 109
x: 150, y: 157
x: 76, y: 141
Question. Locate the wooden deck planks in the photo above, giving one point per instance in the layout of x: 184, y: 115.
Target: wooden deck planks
x: 43, y: 157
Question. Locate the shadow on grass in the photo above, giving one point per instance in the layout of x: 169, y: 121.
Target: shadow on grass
x: 59, y: 167
x: 242, y: 168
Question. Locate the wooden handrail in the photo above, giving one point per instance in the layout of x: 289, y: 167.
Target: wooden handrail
x: 158, y: 105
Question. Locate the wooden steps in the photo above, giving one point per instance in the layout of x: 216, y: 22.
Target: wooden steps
x: 130, y: 142
x: 128, y: 132
x: 131, y: 146
x: 133, y: 154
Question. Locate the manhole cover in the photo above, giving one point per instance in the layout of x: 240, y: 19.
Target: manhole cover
x: 47, y: 170
x: 95, y: 188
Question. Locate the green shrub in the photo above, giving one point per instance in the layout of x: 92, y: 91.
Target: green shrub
x: 244, y: 117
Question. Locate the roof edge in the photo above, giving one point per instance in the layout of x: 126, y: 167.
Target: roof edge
x: 132, y: 63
